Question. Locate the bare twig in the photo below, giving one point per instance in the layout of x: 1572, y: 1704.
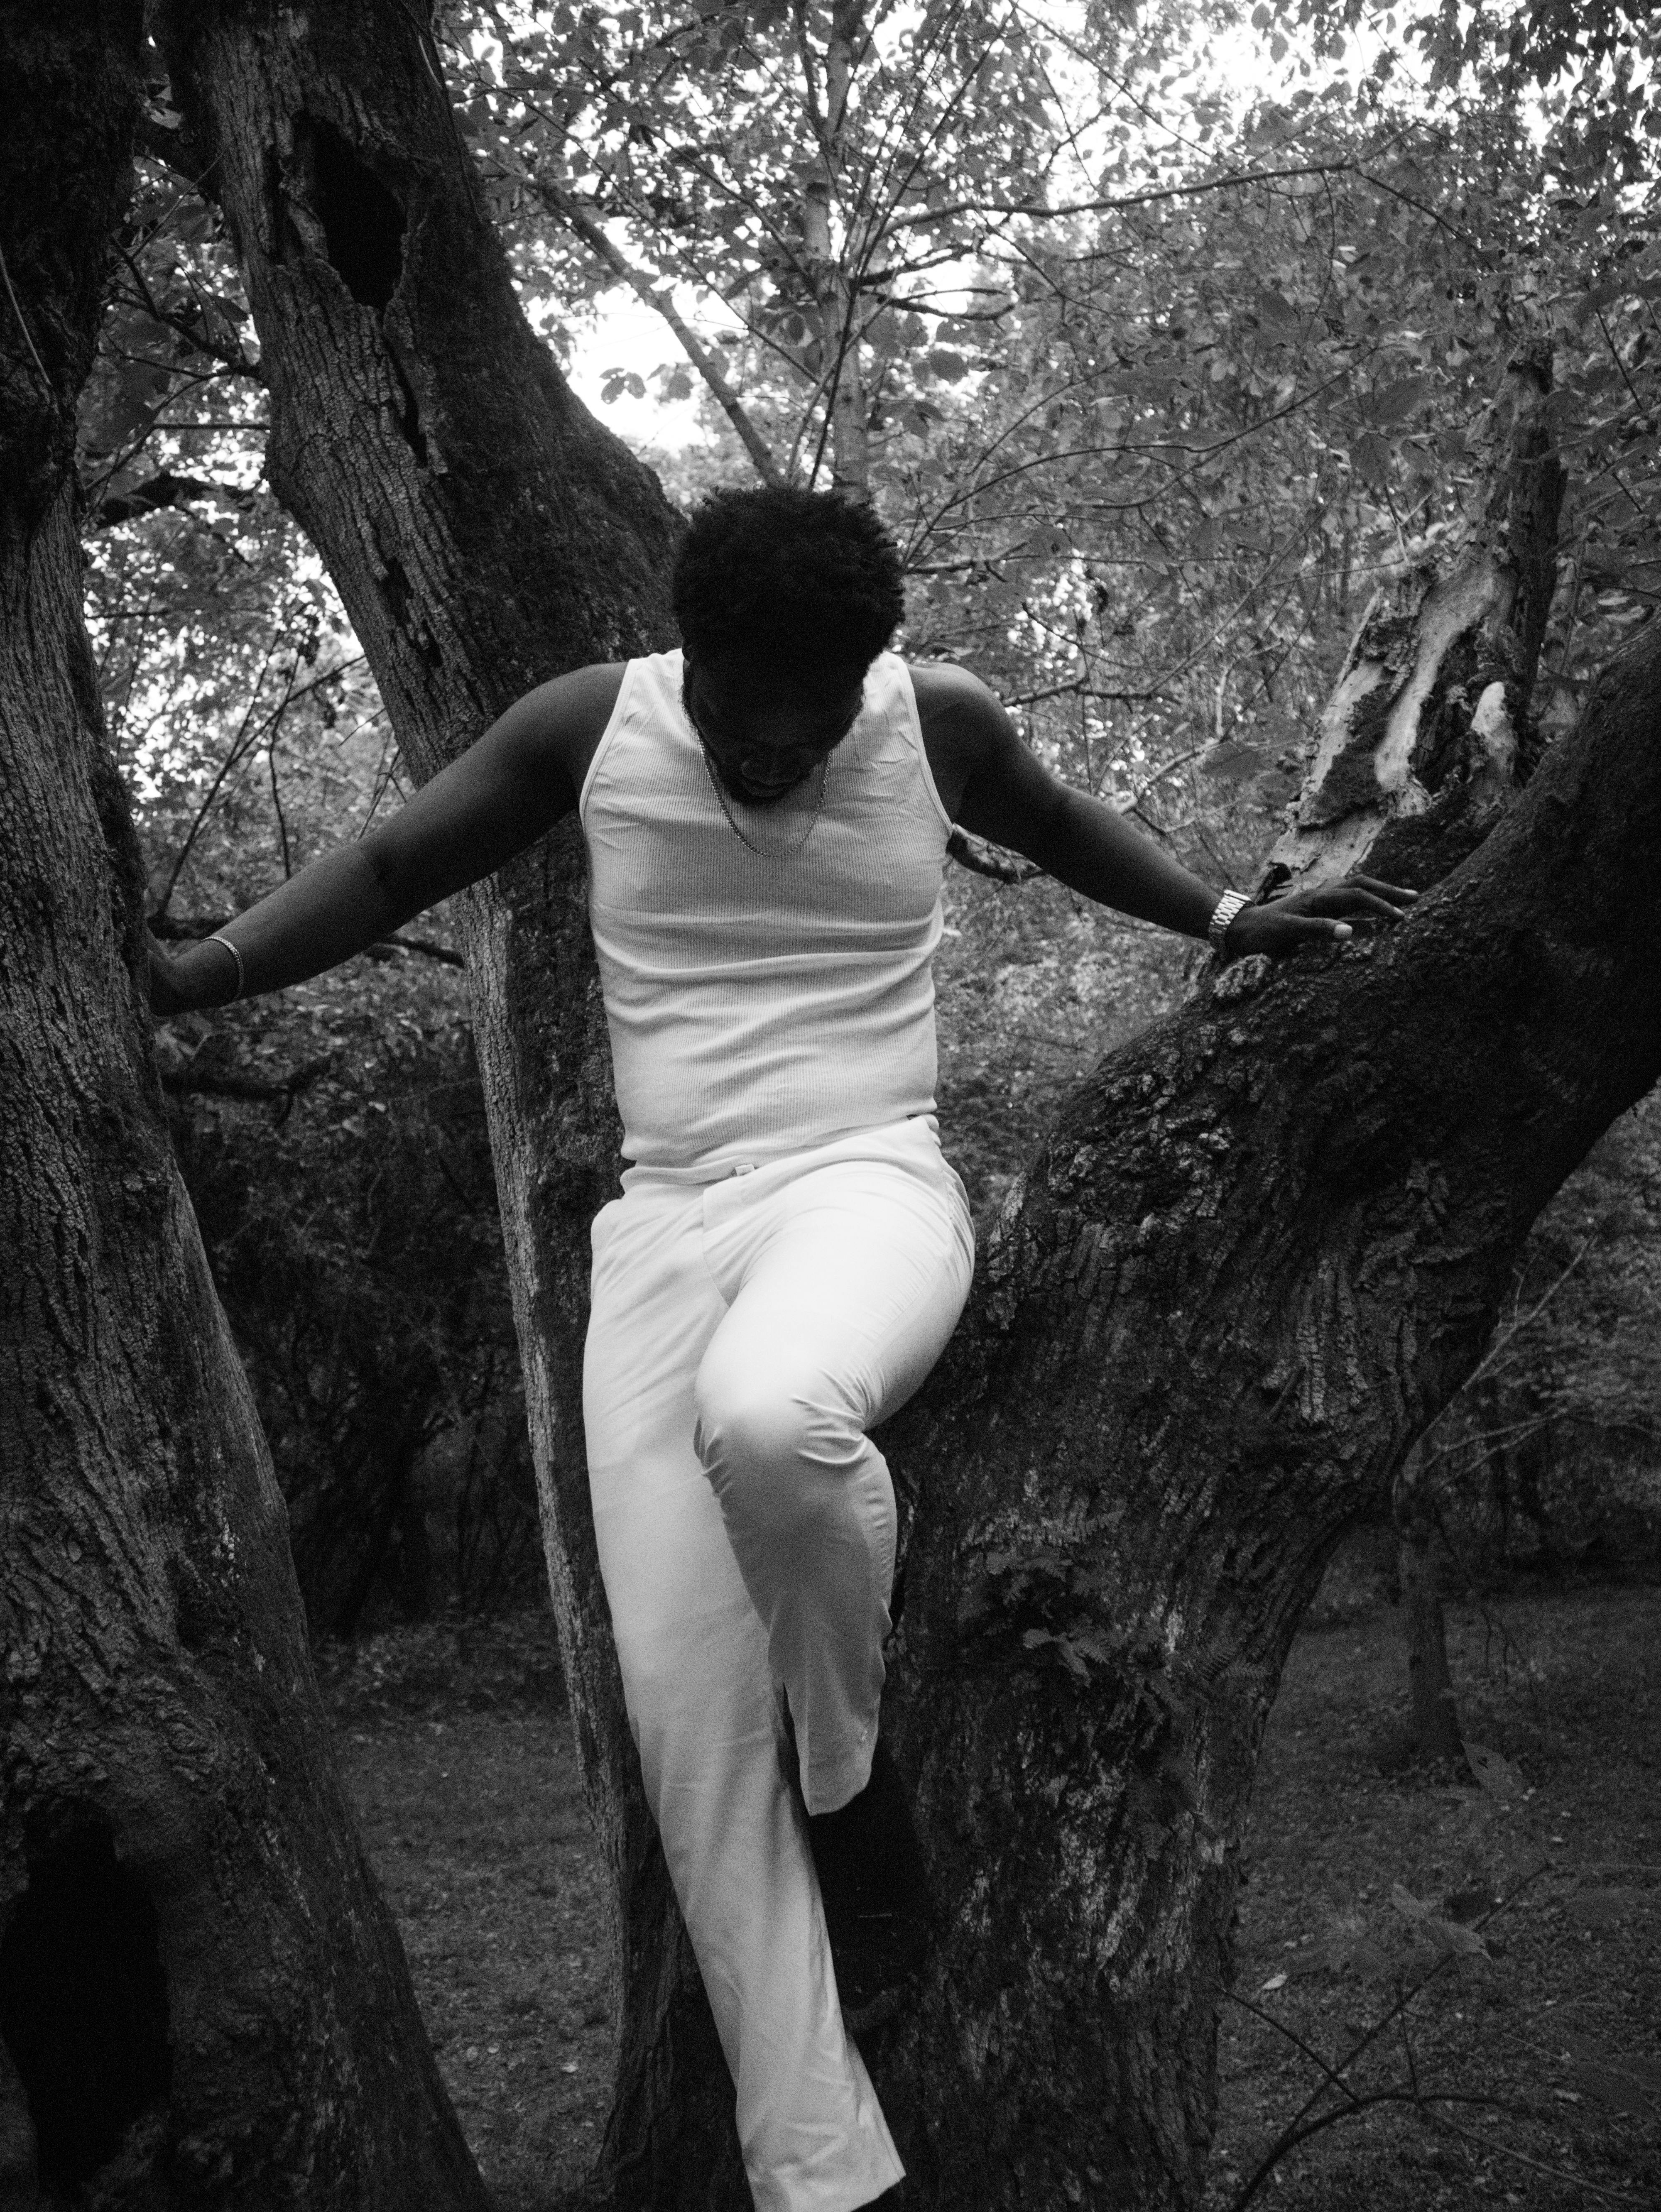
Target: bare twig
x: 1005, y: 211
x: 428, y: 948
x: 693, y: 347
x: 185, y: 1083
x: 1295, y: 2131
x: 1557, y: 2172
x: 237, y: 749
x: 29, y: 341
x: 1501, y: 1345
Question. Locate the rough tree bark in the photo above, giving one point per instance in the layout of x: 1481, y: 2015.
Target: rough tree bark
x: 203, y: 2000
x: 1261, y: 1248
x: 485, y: 533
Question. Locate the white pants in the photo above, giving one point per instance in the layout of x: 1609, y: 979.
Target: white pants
x: 744, y: 1335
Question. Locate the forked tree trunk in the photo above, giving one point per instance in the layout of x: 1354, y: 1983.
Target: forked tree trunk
x: 1261, y: 1247
x: 203, y: 2000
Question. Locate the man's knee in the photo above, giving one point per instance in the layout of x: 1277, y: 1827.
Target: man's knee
x: 748, y: 1422
x: 775, y: 1446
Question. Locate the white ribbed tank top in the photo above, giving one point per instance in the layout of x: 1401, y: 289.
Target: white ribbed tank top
x: 762, y: 1002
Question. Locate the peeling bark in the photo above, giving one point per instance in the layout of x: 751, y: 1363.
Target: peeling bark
x: 1428, y: 732
x: 202, y: 1999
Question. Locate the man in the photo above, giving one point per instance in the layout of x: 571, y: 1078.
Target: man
x: 766, y: 815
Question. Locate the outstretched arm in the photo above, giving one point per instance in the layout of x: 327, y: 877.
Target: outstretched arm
x: 519, y: 778
x: 991, y: 784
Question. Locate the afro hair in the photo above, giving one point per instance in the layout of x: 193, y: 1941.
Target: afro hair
x: 788, y: 579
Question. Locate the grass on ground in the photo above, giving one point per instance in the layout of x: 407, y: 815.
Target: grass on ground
x: 1541, y: 1899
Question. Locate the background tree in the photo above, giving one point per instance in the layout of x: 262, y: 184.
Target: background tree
x: 201, y: 1992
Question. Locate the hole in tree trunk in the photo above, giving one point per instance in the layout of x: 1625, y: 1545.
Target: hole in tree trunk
x: 83, y: 2005
x: 362, y: 221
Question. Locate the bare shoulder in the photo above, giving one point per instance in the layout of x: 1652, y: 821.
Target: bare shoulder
x: 571, y: 713
x: 565, y: 718
x: 963, y: 726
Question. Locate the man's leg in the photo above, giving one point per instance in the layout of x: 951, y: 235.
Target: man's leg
x: 706, y: 1716
x: 845, y: 1280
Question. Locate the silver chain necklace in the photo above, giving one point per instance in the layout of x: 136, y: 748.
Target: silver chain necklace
x: 712, y: 770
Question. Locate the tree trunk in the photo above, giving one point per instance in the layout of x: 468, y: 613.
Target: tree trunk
x: 1436, y: 1733
x: 834, y: 278
x: 1263, y: 1247
x: 485, y: 533
x: 202, y: 2001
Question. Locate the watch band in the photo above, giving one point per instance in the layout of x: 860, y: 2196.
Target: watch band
x: 1217, y: 928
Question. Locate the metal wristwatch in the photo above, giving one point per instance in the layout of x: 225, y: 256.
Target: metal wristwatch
x: 1217, y: 928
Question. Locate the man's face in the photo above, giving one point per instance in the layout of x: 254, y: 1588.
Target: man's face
x: 766, y: 734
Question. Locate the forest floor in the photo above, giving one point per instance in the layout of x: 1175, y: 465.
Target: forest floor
x: 1539, y: 2030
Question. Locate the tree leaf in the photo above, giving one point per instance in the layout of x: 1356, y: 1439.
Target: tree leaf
x: 1371, y: 456
x: 1495, y: 1772
x: 1451, y: 1937
x: 1232, y: 761
x: 1397, y: 401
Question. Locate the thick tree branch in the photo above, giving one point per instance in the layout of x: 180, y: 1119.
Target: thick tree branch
x: 1263, y: 1246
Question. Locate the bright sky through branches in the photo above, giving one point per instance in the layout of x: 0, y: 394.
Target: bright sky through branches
x: 1203, y: 93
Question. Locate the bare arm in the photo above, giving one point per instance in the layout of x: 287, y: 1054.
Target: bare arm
x: 991, y: 784
x: 509, y: 787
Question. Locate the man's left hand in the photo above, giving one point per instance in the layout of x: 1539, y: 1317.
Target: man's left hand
x: 1305, y: 919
